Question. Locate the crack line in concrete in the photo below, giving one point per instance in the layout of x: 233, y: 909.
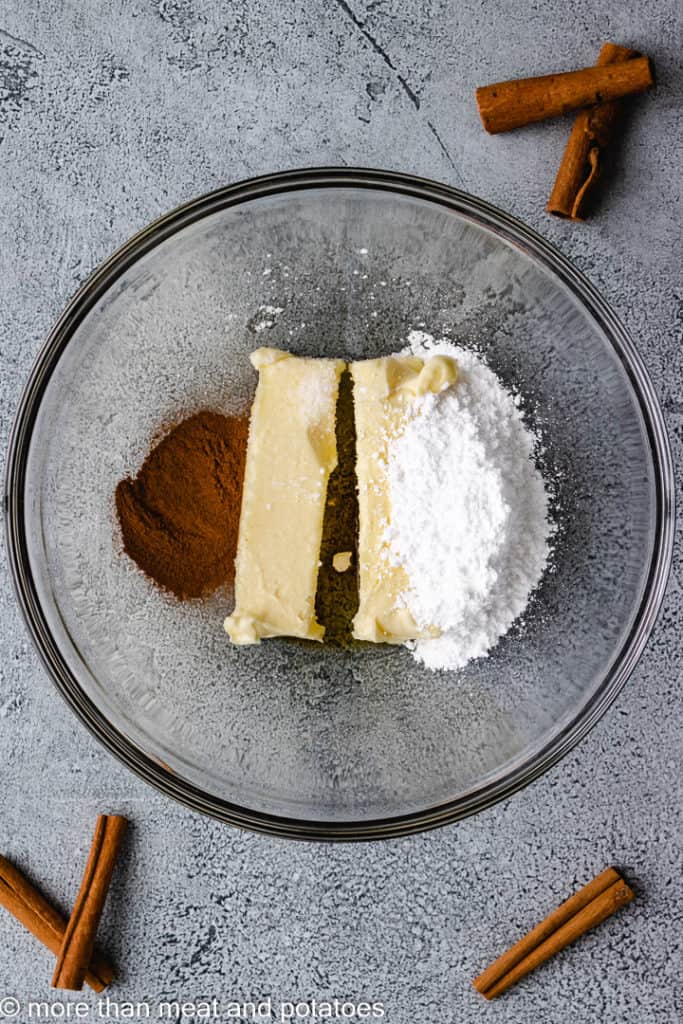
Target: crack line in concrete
x: 20, y: 42
x: 380, y: 51
x: 410, y: 93
x: 445, y: 151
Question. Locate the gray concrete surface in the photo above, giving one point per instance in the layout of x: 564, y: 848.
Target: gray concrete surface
x: 113, y: 112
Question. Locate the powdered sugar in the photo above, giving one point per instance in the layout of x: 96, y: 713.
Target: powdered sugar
x: 316, y: 394
x: 265, y: 317
x: 469, y: 511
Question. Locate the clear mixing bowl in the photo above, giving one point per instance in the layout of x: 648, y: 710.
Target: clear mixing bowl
x: 301, y: 739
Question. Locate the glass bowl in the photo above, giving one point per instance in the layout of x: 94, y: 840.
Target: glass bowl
x: 307, y: 740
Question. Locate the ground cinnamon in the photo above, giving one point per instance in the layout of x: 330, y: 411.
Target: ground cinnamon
x: 179, y: 516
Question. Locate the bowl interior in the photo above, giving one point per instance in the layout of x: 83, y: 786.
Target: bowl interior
x: 302, y: 730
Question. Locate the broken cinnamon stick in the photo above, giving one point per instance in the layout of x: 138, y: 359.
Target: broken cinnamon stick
x: 513, y: 104
x: 79, y: 937
x: 593, y: 130
x: 585, y: 910
x: 31, y: 909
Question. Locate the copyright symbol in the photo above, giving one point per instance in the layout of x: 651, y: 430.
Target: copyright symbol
x: 9, y: 1007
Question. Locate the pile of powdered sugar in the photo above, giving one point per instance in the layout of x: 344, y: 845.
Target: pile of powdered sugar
x: 470, y: 519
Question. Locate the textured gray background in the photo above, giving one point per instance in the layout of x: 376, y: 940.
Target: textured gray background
x: 110, y: 114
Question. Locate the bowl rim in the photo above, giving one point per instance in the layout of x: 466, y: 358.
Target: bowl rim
x: 512, y: 231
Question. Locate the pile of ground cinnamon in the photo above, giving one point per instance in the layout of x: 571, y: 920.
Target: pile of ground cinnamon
x: 179, y: 516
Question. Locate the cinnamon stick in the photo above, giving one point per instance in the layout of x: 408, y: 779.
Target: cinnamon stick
x: 513, y: 104
x: 79, y: 937
x: 31, y: 909
x: 593, y: 130
x: 585, y: 910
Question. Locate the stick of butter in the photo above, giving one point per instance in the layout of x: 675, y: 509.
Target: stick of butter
x: 385, y: 393
x: 290, y: 454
